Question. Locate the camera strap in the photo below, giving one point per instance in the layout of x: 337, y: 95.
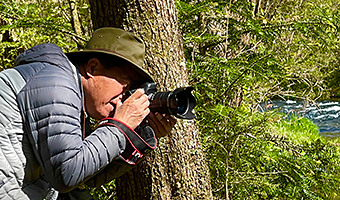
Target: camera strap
x: 136, y: 146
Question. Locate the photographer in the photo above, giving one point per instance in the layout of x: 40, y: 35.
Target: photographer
x: 47, y: 147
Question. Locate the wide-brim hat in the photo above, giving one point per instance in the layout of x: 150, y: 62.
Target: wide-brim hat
x: 120, y: 43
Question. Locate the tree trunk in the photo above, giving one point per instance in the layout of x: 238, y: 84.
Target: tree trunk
x: 177, y: 169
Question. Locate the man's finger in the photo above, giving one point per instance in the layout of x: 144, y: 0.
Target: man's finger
x: 138, y: 93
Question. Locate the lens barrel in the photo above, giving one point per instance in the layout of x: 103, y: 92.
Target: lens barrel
x: 179, y: 103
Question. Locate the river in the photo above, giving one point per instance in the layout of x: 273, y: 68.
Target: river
x: 325, y: 116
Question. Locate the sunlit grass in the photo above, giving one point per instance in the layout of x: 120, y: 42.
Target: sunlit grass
x: 297, y: 129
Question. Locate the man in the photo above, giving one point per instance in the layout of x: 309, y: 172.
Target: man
x: 45, y: 105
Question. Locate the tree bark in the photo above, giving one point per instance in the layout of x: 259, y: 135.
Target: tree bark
x: 177, y: 169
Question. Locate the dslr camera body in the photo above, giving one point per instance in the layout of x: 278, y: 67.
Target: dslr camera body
x: 179, y: 102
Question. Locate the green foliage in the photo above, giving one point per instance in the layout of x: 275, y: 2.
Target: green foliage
x: 104, y: 192
x: 24, y: 25
x: 297, y: 47
x: 298, y: 129
x: 241, y: 54
x: 262, y: 156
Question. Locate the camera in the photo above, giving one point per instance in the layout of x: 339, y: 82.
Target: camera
x: 179, y: 102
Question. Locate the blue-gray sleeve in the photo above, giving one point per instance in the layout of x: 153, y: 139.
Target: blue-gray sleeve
x: 138, y: 143
x: 51, y: 105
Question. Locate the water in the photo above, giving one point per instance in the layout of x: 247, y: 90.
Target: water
x: 325, y: 116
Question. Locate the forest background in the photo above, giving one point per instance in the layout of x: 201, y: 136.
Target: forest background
x: 239, y: 54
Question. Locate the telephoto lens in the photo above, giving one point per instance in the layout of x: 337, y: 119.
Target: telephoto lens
x: 179, y: 102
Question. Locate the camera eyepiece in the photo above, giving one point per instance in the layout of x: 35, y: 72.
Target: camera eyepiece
x: 179, y: 103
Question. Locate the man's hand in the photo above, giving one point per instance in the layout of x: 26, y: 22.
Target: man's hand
x: 161, y: 124
x: 133, y: 110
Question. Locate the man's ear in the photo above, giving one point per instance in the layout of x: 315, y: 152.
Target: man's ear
x: 92, y: 67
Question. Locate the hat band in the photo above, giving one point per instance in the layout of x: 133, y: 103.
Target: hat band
x: 108, y: 50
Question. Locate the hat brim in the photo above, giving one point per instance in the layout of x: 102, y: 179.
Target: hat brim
x: 143, y: 75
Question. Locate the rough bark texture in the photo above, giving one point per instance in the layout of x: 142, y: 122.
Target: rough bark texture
x: 177, y: 169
